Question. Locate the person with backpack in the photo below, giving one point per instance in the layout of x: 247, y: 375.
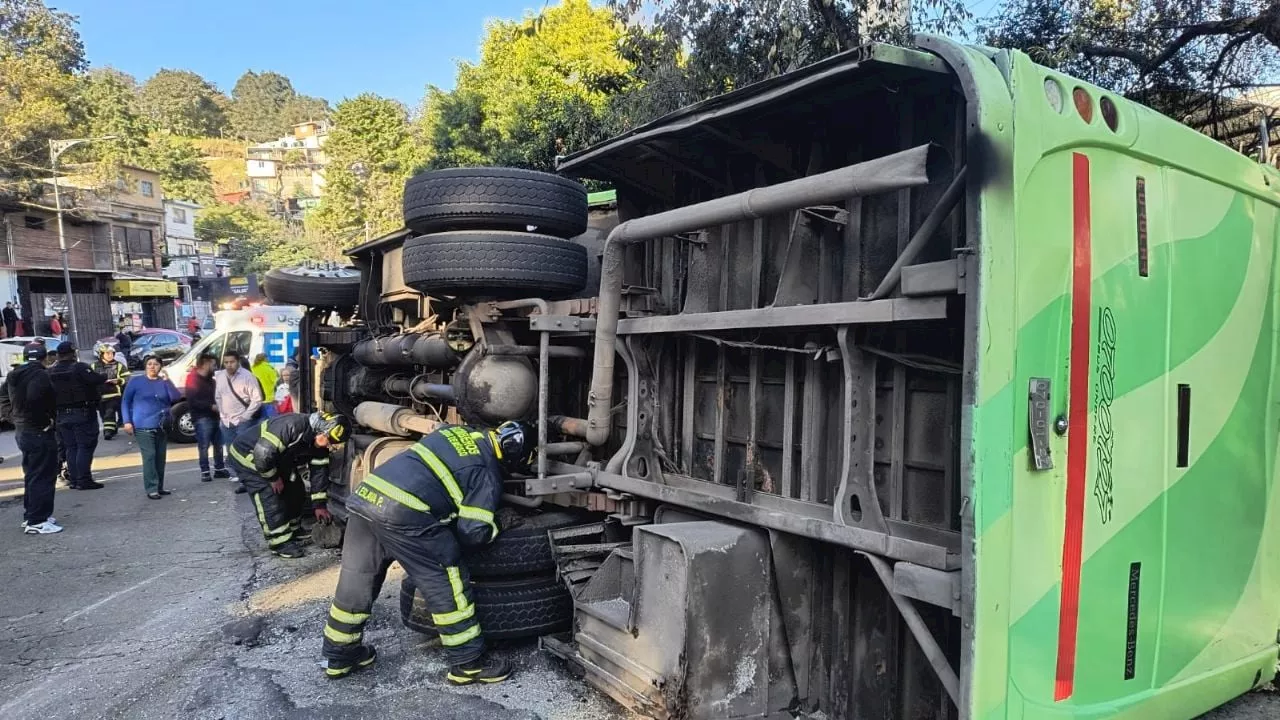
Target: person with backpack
x: 238, y: 397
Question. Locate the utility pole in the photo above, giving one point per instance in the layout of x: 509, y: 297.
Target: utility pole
x: 56, y: 148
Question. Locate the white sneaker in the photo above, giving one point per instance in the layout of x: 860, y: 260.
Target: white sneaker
x: 45, y: 528
x: 51, y: 519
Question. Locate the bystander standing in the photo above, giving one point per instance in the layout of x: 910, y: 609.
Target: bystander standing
x: 239, y: 399
x: 146, y: 406
x: 201, y: 394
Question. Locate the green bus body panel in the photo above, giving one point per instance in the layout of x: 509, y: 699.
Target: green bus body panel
x: 1179, y: 584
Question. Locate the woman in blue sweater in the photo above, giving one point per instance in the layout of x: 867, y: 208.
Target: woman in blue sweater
x: 145, y: 411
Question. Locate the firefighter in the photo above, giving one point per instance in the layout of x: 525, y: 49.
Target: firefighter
x: 266, y: 456
x: 117, y: 375
x: 76, y: 387
x: 421, y: 509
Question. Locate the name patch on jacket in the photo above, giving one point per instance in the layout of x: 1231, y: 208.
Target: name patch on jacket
x: 461, y: 440
x: 370, y: 496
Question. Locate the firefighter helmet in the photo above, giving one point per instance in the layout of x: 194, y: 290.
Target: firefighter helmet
x: 517, y: 442
x: 333, y: 425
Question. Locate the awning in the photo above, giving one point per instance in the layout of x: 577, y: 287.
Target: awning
x: 144, y: 288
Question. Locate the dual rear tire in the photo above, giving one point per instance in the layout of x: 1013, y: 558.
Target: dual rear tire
x: 494, y: 232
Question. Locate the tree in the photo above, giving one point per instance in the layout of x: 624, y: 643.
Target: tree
x: 264, y: 106
x: 302, y: 108
x: 371, y: 151
x: 688, y: 50
x: 247, y: 231
x: 30, y: 29
x: 1188, y: 59
x: 183, y: 103
x: 35, y: 106
x: 183, y: 172
x: 39, y: 51
x: 540, y: 89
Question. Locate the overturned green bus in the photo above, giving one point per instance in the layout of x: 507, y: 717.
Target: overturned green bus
x: 916, y: 383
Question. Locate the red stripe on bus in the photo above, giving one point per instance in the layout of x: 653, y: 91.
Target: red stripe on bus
x: 1077, y: 428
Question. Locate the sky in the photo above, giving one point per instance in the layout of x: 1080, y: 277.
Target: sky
x: 333, y: 49
x: 329, y: 48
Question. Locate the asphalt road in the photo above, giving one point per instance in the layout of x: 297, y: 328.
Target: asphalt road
x: 172, y: 608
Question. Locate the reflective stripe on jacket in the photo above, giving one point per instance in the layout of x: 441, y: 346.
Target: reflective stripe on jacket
x: 450, y: 475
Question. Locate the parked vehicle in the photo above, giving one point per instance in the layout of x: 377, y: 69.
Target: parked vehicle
x: 168, y: 345
x: 11, y: 350
x: 878, y: 401
x: 272, y: 330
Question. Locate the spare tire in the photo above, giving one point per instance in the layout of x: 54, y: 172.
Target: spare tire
x: 489, y: 198
x: 520, y: 549
x: 494, y: 263
x: 506, y: 609
x: 313, y: 286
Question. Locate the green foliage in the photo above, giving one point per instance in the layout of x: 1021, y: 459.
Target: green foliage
x: 246, y: 230
x: 39, y: 49
x: 183, y: 103
x: 29, y: 29
x: 257, y: 242
x: 372, y: 151
x: 264, y: 106
x: 1185, y: 59
x: 540, y: 89
x: 183, y: 172
x: 35, y: 107
x: 688, y: 50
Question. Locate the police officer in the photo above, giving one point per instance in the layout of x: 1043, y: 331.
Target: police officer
x: 76, y: 387
x: 27, y: 399
x: 266, y: 456
x: 117, y: 374
x: 420, y: 509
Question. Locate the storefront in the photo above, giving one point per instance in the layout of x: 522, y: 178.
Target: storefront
x: 151, y: 301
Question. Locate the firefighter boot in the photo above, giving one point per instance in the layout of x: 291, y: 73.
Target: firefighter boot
x: 365, y: 656
x: 289, y: 549
x: 482, y: 670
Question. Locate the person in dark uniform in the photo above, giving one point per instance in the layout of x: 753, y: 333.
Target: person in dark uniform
x: 10, y: 320
x: 27, y: 399
x: 266, y: 456
x: 124, y: 340
x: 420, y: 509
x: 76, y: 387
x: 117, y: 374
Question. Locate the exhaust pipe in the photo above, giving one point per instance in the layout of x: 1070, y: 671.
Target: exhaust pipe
x: 899, y: 171
x: 393, y: 419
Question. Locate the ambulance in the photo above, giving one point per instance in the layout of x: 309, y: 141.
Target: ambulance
x: 267, y: 329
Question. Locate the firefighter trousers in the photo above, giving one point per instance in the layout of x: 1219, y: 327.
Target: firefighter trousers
x: 432, y: 560
x: 279, y: 515
x: 109, y: 408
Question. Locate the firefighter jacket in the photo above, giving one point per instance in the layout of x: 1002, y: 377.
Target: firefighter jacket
x: 281, y: 444
x: 114, y: 370
x: 450, y: 475
x: 75, y: 385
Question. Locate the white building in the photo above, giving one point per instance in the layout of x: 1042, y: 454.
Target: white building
x: 188, y: 257
x: 288, y: 173
x: 180, y: 227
